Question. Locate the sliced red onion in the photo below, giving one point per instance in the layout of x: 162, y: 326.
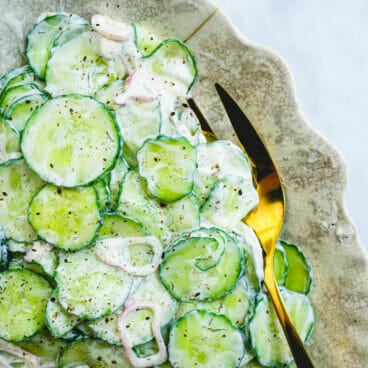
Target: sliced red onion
x: 115, y: 252
x: 111, y: 29
x: 31, y: 359
x: 160, y: 357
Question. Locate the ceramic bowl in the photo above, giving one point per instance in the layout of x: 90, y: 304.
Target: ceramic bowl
x: 312, y: 171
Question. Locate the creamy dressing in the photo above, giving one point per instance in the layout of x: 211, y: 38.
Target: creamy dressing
x: 143, y: 85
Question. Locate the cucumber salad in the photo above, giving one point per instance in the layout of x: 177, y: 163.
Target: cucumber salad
x: 122, y: 241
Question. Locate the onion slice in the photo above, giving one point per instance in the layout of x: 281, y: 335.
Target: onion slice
x: 115, y: 252
x: 31, y: 359
x: 111, y: 29
x: 160, y: 357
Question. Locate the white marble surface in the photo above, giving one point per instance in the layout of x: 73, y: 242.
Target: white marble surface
x: 325, y: 45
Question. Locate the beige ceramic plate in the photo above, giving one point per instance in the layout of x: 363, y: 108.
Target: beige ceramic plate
x: 312, y: 171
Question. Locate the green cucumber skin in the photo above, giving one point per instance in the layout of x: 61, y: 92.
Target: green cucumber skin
x: 186, y: 48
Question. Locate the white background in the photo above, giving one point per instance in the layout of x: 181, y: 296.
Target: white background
x: 325, y: 44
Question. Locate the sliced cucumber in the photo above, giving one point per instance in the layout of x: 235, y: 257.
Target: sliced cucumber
x: 20, y: 110
x: 145, y: 40
x: 25, y: 76
x: 138, y: 121
x: 44, y: 255
x: 223, y: 158
x: 106, y: 93
x: 168, y: 165
x: 206, y: 340
x: 229, y: 202
x: 203, y: 265
x: 13, y: 93
x: 203, y: 185
x: 236, y: 305
x: 77, y: 67
x: 115, y: 179
x: 150, y: 290
x: 66, y: 218
x: 135, y: 202
x: 9, y: 142
x: 79, y: 138
x: 58, y: 320
x: 173, y: 64
x: 89, y: 288
x: 103, y: 194
x: 115, y: 225
x: 18, y: 247
x: 249, y: 242
x: 93, y: 354
x: 267, y: 336
x: 299, y: 275
x: 18, y: 186
x: 42, y: 37
x: 182, y: 215
x: 280, y: 264
x: 23, y: 298
x: 5, y: 78
x: 46, y: 347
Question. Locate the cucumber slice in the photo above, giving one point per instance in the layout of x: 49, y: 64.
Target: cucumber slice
x: 106, y: 93
x: 138, y: 121
x: 280, y: 264
x: 5, y: 78
x: 115, y: 225
x: 299, y: 275
x: 15, y: 247
x: 26, y: 76
x: 150, y: 290
x: 135, y: 202
x: 144, y: 39
x: 18, y: 186
x: 116, y: 177
x: 173, y: 64
x: 66, y: 218
x: 203, y: 185
x: 89, y: 288
x: 249, y: 242
x: 58, y: 320
x: 93, y: 354
x: 79, y: 138
x: 236, y: 305
x: 44, y: 255
x: 23, y: 298
x: 103, y: 194
x: 182, y: 215
x: 46, y: 347
x: 204, y: 339
x: 168, y: 165
x: 9, y: 142
x: 229, y: 202
x: 223, y: 158
x: 13, y: 93
x: 77, y: 67
x: 267, y: 337
x: 20, y: 110
x: 196, y: 269
x: 41, y: 39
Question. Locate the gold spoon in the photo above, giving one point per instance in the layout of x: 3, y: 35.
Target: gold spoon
x: 267, y: 218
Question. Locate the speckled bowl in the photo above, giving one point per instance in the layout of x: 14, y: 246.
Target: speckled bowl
x: 312, y: 171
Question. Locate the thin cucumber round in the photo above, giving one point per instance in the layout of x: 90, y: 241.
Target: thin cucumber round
x: 280, y: 264
x: 168, y: 165
x: 205, y: 339
x: 202, y: 266
x: 93, y: 354
x: 299, y: 275
x: 23, y: 299
x: 9, y: 142
x: 77, y: 140
x: 267, y: 337
x: 5, y: 78
x: 20, y: 110
x: 18, y: 185
x: 67, y: 218
x: 89, y: 288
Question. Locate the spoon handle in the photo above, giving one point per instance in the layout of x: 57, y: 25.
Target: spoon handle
x: 300, y: 354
